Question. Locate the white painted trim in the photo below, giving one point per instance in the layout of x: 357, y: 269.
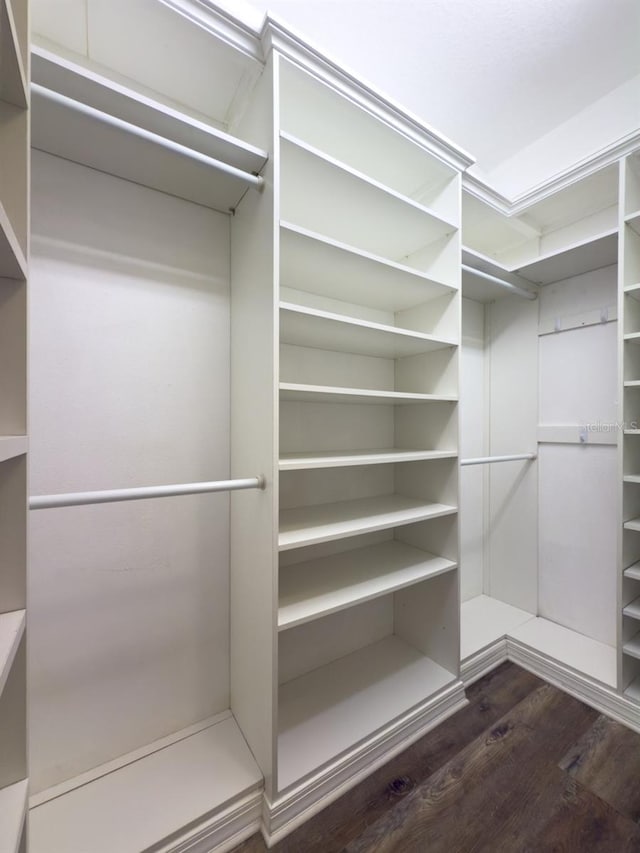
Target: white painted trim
x: 576, y: 434
x: 229, y: 29
x: 593, y: 693
x: 223, y: 832
x: 293, y: 808
x: 480, y: 663
x: 596, y: 317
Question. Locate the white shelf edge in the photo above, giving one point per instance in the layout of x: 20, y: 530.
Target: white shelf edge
x: 338, y: 164
x: 632, y: 337
x: 13, y: 812
x: 632, y: 610
x: 356, y: 323
x: 633, y: 572
x: 352, y: 578
x: 632, y: 383
x: 367, y: 256
x: 12, y: 446
x: 12, y: 627
x: 13, y: 263
x: 304, y: 461
x: 19, y: 96
x: 632, y: 647
x: 631, y: 478
x: 365, y: 393
x: 632, y: 524
x: 570, y: 247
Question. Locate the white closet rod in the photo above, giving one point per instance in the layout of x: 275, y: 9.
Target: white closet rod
x: 219, y: 165
x: 513, y: 288
x: 484, y: 460
x: 141, y: 493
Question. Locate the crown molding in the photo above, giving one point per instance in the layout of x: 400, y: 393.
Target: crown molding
x: 225, y: 26
x: 276, y: 36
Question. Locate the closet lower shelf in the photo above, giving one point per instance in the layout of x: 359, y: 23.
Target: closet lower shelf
x: 632, y: 610
x: 310, y: 525
x: 632, y: 647
x: 301, y: 393
x: 633, y: 690
x: 325, y: 712
x: 347, y: 458
x: 13, y: 810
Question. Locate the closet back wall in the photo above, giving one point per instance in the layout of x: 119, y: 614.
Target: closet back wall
x: 129, y: 386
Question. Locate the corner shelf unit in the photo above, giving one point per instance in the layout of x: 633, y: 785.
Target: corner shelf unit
x: 14, y: 225
x: 345, y: 618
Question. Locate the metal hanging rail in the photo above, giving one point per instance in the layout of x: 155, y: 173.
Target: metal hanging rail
x: 486, y: 460
x: 219, y: 165
x: 513, y: 288
x: 142, y: 493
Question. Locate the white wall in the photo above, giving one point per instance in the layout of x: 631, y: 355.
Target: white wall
x: 578, y: 492
x: 473, y: 442
x: 512, y: 543
x: 129, y: 386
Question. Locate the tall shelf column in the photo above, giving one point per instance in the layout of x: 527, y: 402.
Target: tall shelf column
x: 14, y: 225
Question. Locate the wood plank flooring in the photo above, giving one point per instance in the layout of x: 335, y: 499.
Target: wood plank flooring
x: 524, y: 768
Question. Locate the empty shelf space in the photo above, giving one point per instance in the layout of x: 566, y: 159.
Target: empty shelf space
x: 315, y: 263
x: 632, y: 524
x: 13, y: 811
x: 633, y: 572
x: 310, y: 327
x: 309, y: 525
x: 633, y: 290
x: 13, y: 263
x: 13, y: 81
x: 632, y: 647
x: 633, y: 690
x: 325, y: 585
x: 483, y: 620
x: 331, y: 708
x: 342, y: 459
x: 11, y: 631
x: 335, y: 394
x: 11, y: 446
x: 583, y: 654
x: 199, y: 776
x: 632, y: 609
x: 322, y: 194
x: 633, y: 221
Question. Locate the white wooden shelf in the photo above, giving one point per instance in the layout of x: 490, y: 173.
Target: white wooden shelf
x: 296, y: 392
x: 590, y: 254
x: 133, y: 807
x: 328, y: 710
x: 584, y: 654
x: 632, y: 524
x: 632, y: 383
x: 311, y: 327
x: 633, y: 572
x: 347, y: 458
x: 632, y: 337
x: 631, y: 478
x: 320, y: 193
x: 326, y: 585
x: 309, y: 525
x: 13, y: 81
x: 13, y: 263
x: 13, y: 811
x: 632, y: 647
x: 12, y: 446
x: 633, y: 221
x: 315, y: 263
x: 633, y: 290
x: 633, y: 690
x: 11, y: 630
x: 632, y: 610
x: 483, y: 620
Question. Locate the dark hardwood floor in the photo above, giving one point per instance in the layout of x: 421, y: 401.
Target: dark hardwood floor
x: 524, y: 767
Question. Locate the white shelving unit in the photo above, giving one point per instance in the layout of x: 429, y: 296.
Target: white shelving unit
x: 353, y: 382
x: 14, y: 223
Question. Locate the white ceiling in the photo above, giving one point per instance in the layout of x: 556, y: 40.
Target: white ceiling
x: 493, y: 75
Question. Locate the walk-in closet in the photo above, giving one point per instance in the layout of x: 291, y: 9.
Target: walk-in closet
x: 311, y: 418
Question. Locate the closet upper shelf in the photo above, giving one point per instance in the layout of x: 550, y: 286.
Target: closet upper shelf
x: 127, y: 134
x: 574, y: 259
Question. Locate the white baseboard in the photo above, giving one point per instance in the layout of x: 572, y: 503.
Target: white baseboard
x: 292, y: 808
x: 482, y: 662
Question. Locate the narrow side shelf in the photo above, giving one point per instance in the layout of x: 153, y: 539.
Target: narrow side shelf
x: 13, y: 80
x: 326, y: 585
x: 310, y: 327
x: 11, y: 446
x: 632, y: 609
x: 331, y: 708
x: 315, y: 263
x: 633, y: 572
x: 600, y: 250
x: 631, y: 478
x: 633, y: 221
x: 632, y: 337
x: 632, y: 383
x: 632, y: 647
x: 633, y: 690
x: 309, y: 525
x: 11, y: 630
x: 335, y: 394
x: 333, y: 459
x: 632, y: 524
x: 13, y: 263
x: 13, y: 811
x: 633, y: 290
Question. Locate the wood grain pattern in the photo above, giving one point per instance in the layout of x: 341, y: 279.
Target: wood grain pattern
x: 524, y: 768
